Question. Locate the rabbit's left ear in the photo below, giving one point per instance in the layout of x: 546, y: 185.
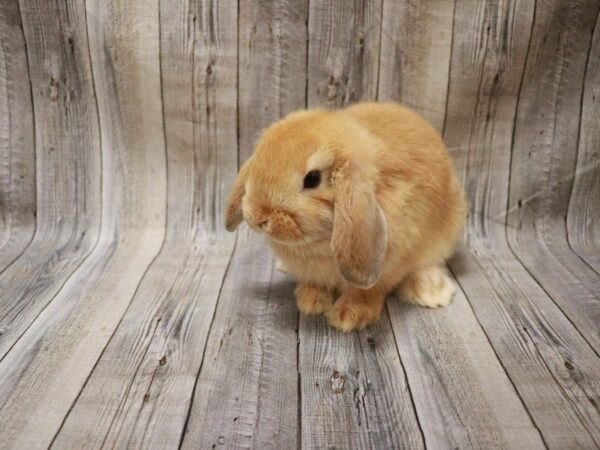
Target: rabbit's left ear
x: 359, y: 240
x: 233, y: 213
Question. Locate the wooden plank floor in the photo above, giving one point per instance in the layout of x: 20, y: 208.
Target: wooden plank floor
x: 130, y: 319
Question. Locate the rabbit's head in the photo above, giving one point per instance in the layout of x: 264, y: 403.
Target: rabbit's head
x: 309, y: 180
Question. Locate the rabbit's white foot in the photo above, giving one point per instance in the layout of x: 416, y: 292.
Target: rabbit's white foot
x: 313, y: 299
x: 429, y: 287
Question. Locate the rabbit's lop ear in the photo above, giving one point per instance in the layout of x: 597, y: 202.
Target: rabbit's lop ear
x: 359, y: 240
x: 233, y: 213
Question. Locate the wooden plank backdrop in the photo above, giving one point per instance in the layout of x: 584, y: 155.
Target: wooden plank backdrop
x: 130, y: 318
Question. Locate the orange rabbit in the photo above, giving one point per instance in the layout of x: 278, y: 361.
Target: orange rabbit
x: 355, y: 203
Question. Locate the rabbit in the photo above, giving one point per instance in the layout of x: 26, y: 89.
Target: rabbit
x: 356, y: 203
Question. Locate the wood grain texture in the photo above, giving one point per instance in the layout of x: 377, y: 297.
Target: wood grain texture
x: 141, y: 397
x: 68, y: 163
x: 544, y: 156
x: 416, y: 41
x: 354, y: 390
x: 17, y: 150
x: 272, y: 65
x: 551, y: 366
x: 140, y: 391
x: 69, y: 335
x: 463, y: 397
x: 343, y: 62
x: 247, y: 391
x: 130, y: 318
x: 583, y: 219
x: 546, y: 358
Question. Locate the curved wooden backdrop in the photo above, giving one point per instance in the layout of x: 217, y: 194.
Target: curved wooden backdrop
x: 129, y: 318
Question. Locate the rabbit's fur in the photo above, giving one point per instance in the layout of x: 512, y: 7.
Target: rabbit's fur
x: 385, y: 216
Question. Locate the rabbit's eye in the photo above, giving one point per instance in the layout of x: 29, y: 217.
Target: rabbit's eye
x: 312, y: 179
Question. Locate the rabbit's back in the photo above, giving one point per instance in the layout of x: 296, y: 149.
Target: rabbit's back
x: 417, y: 189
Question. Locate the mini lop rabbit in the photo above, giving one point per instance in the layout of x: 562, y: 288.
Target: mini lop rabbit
x: 355, y: 204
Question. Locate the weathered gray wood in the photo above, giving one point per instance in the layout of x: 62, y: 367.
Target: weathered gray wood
x: 583, y: 220
x: 550, y: 364
x: 130, y: 321
x: 272, y: 65
x: 553, y: 369
x: 46, y: 369
x: 462, y: 395
x: 343, y: 63
x: 543, y: 161
x: 247, y: 391
x: 140, y: 391
x: 416, y: 39
x: 354, y: 391
x: 67, y: 164
x: 17, y: 150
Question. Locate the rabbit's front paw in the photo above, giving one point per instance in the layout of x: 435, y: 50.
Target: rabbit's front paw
x: 353, y: 312
x: 429, y: 287
x: 313, y: 299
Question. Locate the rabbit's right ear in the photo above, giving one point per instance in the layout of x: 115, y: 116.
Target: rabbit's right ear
x: 359, y: 238
x: 233, y: 213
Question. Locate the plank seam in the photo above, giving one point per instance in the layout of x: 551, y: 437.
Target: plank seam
x: 143, y: 358
x: 237, y: 85
x: 507, y: 208
x: 562, y: 389
x: 193, y: 394
x: 506, y: 224
x: 93, y: 248
x: 514, y: 386
x: 449, y: 71
x: 299, y: 432
x: 34, y: 142
x: 12, y: 234
x: 357, y: 404
x: 410, y: 393
x: 233, y: 250
x: 306, y: 62
x: 121, y: 400
x: 307, y: 59
x: 101, y: 200
x: 189, y: 411
x: 379, y: 52
x: 550, y: 297
x: 585, y: 71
